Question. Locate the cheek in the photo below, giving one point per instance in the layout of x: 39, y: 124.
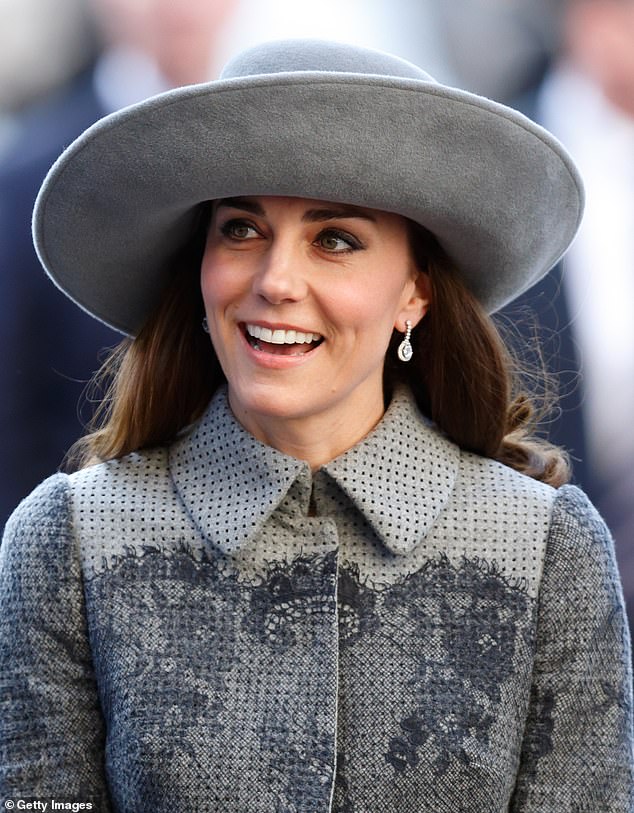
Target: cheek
x: 219, y: 286
x: 372, y: 305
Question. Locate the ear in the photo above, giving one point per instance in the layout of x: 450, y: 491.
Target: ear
x: 416, y: 303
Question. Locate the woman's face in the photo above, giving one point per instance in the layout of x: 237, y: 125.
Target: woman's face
x: 302, y: 297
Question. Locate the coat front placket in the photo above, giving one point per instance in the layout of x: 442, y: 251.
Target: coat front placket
x: 291, y: 653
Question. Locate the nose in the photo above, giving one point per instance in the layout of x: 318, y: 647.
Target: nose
x: 281, y: 275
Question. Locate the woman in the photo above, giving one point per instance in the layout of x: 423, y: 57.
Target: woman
x: 321, y: 565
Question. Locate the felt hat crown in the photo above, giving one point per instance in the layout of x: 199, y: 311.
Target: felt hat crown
x: 312, y: 119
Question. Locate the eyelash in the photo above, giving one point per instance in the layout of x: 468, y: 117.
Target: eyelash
x: 228, y: 230
x: 352, y: 242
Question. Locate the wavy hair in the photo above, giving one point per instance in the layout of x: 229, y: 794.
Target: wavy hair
x: 462, y: 375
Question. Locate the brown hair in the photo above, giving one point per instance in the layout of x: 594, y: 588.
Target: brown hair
x: 463, y: 377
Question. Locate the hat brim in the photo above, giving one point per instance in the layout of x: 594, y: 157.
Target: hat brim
x: 500, y: 193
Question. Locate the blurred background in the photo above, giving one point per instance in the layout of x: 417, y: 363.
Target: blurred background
x: 568, y: 64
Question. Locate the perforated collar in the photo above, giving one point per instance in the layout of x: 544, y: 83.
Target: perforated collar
x: 399, y: 477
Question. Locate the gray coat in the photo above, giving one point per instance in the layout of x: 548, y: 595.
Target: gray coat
x: 212, y: 627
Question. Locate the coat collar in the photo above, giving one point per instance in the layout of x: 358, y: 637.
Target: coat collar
x: 399, y: 477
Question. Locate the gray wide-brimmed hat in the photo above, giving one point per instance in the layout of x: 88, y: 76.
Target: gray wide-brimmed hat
x: 312, y: 119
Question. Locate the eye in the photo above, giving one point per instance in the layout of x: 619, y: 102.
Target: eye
x: 333, y: 242
x: 337, y: 242
x: 238, y: 230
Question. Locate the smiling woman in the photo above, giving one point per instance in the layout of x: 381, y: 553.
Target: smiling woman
x: 301, y: 277
x: 312, y: 558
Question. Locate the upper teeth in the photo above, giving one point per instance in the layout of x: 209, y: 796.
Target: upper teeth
x: 281, y: 336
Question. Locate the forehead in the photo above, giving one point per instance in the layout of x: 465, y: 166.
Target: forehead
x: 309, y: 209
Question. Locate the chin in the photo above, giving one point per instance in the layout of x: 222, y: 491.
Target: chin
x: 272, y: 402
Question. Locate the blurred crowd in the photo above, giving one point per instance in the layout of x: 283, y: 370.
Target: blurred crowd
x: 569, y: 64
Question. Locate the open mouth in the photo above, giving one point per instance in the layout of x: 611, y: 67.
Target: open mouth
x: 281, y: 342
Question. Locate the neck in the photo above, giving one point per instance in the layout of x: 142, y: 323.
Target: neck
x: 317, y: 439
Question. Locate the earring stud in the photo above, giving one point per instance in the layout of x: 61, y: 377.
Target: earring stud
x: 205, y: 324
x: 405, y: 350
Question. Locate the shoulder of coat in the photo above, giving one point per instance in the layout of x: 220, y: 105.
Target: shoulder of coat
x: 126, y: 507
x: 492, y: 481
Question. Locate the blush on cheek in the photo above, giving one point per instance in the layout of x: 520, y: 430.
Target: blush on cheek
x: 219, y: 287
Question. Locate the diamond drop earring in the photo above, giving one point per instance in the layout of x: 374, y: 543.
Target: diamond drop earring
x: 405, y: 350
x: 205, y: 325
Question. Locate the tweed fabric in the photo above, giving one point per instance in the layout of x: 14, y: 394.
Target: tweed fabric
x: 213, y: 627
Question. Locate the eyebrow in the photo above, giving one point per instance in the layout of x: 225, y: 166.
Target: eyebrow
x: 245, y: 204
x: 340, y: 211
x: 316, y: 215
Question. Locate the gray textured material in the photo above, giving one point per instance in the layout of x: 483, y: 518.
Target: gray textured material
x: 314, y: 120
x: 179, y: 632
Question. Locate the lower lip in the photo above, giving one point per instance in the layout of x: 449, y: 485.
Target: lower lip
x: 275, y: 362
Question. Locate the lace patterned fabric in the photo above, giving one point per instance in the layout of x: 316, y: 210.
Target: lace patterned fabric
x: 180, y: 632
